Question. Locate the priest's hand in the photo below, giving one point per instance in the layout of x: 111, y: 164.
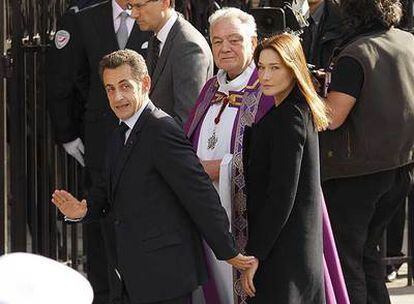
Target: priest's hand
x: 247, y: 279
x: 69, y: 205
x: 241, y: 262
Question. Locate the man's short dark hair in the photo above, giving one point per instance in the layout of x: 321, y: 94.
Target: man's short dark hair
x: 121, y: 57
x: 369, y: 13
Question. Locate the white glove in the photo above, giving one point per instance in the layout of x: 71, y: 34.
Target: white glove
x: 76, y: 149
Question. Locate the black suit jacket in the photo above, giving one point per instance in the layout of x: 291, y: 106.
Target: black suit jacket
x: 160, y: 202
x: 92, y: 36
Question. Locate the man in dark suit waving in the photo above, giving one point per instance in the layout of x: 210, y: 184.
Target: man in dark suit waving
x: 79, y: 45
x: 155, y: 193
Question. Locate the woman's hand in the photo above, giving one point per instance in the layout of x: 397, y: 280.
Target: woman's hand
x: 247, y: 279
x: 241, y: 262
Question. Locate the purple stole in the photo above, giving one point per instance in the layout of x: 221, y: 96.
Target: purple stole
x: 253, y: 107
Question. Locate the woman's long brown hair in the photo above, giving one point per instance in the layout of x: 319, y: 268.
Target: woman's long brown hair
x: 290, y: 50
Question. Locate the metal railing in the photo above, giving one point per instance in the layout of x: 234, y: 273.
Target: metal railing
x: 3, y: 164
x: 32, y: 165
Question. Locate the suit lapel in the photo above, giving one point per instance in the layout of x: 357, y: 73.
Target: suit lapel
x: 136, y: 39
x: 104, y: 24
x: 110, y: 161
x: 125, y: 152
x: 162, y: 60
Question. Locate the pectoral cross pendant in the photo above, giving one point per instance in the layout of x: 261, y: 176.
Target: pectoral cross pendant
x: 212, y: 141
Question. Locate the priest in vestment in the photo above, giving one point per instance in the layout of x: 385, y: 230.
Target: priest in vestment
x: 229, y: 103
x: 227, y: 106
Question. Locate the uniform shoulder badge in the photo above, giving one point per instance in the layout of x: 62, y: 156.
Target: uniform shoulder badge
x: 62, y: 38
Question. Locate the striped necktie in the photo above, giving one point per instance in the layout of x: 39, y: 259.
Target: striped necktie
x: 155, y: 54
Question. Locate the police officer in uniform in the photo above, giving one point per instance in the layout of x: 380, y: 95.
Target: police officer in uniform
x: 81, y: 127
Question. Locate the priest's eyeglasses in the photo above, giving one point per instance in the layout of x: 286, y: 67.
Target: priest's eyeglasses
x: 139, y: 6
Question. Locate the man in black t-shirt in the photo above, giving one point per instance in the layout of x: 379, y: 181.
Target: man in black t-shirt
x: 367, y: 155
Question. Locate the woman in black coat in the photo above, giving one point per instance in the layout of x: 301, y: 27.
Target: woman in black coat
x: 283, y: 184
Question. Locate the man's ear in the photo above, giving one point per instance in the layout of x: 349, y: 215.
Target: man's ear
x: 146, y: 83
x: 254, y: 43
x: 166, y: 4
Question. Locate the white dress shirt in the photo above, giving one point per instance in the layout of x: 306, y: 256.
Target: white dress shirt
x: 116, y: 11
x: 130, y: 122
x: 165, y: 30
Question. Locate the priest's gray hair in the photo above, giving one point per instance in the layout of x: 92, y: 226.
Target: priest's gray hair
x: 246, y: 19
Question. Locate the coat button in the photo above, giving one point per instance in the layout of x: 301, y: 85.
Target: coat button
x: 117, y: 222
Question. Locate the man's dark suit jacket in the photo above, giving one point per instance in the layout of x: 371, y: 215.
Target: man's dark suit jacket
x: 160, y: 201
x: 72, y: 69
x: 184, y: 66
